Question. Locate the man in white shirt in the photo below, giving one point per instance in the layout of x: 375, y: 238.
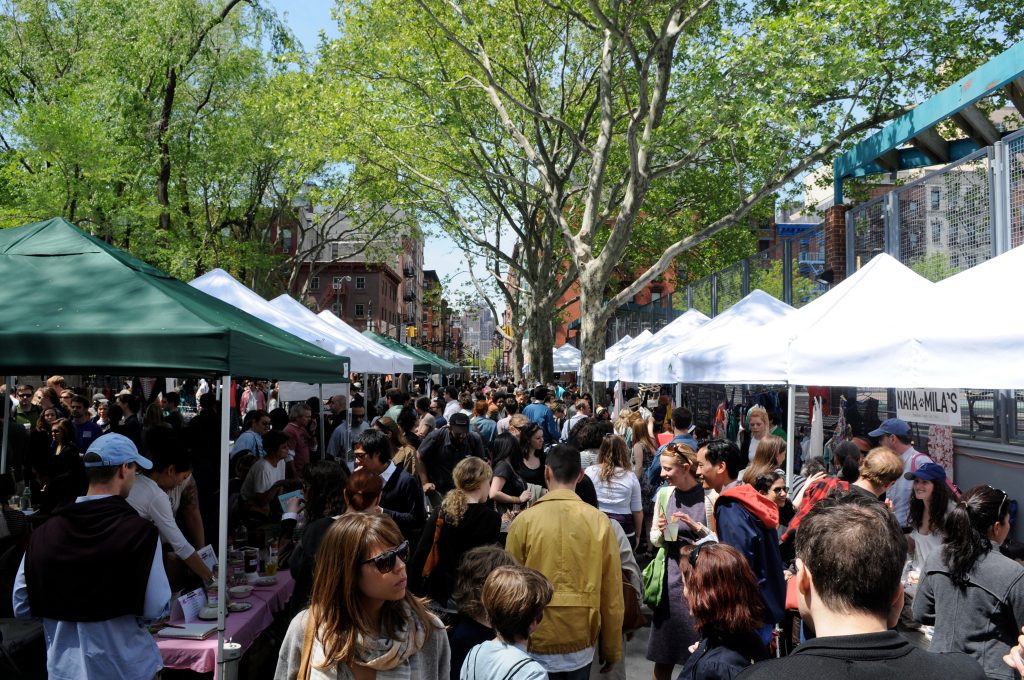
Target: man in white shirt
x: 149, y: 495
x: 451, y: 405
x: 266, y: 478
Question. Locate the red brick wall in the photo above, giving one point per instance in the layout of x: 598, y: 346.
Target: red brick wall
x: 835, y: 242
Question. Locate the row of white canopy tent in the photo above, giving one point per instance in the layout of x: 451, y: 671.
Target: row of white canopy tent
x: 564, y: 359
x: 885, y: 325
x: 326, y: 330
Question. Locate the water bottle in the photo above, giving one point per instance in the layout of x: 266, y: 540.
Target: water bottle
x: 26, y: 498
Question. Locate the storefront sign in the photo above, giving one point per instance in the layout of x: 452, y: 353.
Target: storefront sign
x: 934, y: 407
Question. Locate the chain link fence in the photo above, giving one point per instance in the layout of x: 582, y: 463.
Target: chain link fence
x: 1015, y: 173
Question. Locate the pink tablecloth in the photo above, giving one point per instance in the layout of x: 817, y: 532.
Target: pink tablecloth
x: 241, y: 627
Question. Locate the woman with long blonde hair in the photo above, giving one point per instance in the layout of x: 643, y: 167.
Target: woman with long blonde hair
x: 770, y: 455
x: 463, y: 521
x: 618, y: 489
x: 362, y: 621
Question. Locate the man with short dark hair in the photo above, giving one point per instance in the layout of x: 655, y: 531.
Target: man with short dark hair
x: 850, y: 554
x: 94, y: 574
x: 131, y: 426
x: 86, y: 430
x: 585, y: 615
x: 747, y: 521
x: 396, y: 399
x: 25, y: 413
x: 441, y: 450
x: 682, y: 420
x: 401, y: 498
x: 172, y: 416
x: 539, y: 413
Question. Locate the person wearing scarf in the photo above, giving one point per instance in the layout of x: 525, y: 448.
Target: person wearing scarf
x: 362, y: 621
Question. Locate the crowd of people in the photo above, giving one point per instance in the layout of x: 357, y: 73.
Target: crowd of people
x: 488, y: 531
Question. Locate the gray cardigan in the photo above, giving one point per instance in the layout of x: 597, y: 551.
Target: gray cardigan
x: 433, y: 662
x: 983, y: 619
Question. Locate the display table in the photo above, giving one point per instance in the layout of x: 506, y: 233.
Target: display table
x: 241, y: 627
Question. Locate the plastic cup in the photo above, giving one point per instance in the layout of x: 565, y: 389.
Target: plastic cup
x: 672, y: 532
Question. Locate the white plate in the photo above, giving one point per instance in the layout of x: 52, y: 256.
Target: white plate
x: 266, y: 581
x: 239, y: 606
x: 240, y: 591
x: 209, y: 614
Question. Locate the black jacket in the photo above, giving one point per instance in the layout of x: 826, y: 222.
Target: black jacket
x: 870, y: 656
x: 402, y: 500
x: 723, y: 658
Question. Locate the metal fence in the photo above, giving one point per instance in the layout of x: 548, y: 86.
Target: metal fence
x: 942, y: 223
x: 790, y: 271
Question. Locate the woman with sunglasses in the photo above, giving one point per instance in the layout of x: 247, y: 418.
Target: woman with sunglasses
x: 362, y: 622
x: 722, y: 593
x: 679, y: 513
x: 970, y: 592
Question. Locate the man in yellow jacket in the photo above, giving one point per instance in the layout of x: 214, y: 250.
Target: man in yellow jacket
x: 572, y: 544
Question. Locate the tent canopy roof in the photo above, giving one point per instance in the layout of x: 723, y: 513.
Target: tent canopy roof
x: 74, y: 303
x: 425, y: 362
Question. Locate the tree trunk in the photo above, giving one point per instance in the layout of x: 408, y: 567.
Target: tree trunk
x: 594, y: 315
x: 163, y: 179
x: 517, y: 358
x: 540, y: 343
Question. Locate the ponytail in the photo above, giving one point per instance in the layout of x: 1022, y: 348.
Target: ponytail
x: 848, y: 455
x: 967, y: 526
x: 454, y: 506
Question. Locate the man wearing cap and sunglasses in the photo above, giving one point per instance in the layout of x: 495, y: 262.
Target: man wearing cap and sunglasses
x: 894, y: 434
x: 94, y: 574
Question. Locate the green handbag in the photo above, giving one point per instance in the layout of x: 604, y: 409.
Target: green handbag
x: 654, y: 572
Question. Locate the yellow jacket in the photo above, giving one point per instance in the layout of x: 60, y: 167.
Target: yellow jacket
x: 573, y: 545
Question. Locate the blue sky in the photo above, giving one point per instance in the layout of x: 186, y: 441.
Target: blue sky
x: 307, y: 19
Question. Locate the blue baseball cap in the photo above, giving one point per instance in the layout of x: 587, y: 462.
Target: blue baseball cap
x: 116, y: 449
x: 929, y: 472
x: 895, y: 426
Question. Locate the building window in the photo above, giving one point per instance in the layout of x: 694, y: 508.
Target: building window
x: 286, y: 238
x: 360, y: 312
x: 936, y: 196
x: 314, y: 283
x: 336, y: 282
x: 936, y: 232
x: 335, y: 250
x: 360, y: 283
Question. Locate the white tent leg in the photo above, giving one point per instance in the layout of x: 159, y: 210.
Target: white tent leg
x: 790, y: 433
x: 323, y: 442
x: 222, y: 523
x: 7, y: 423
x: 679, y: 394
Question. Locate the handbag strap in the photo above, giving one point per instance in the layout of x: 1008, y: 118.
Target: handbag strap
x: 305, y: 661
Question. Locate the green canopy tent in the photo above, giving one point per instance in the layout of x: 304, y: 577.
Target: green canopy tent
x: 73, y: 303
x: 425, y: 362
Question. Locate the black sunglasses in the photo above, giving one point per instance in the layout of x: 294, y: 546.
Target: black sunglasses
x: 1006, y: 497
x: 694, y: 553
x: 385, y: 561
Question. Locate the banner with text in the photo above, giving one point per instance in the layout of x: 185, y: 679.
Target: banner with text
x: 934, y: 407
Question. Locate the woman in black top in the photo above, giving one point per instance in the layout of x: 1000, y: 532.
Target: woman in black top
x: 531, y: 441
x: 466, y: 521
x: 507, y: 487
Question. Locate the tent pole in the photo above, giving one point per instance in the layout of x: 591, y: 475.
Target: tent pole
x: 7, y: 423
x: 679, y: 394
x: 790, y: 433
x: 222, y: 520
x: 323, y: 442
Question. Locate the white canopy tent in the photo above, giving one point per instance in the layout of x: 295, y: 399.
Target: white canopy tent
x: 773, y: 354
x: 664, y: 340
x: 566, y: 359
x: 658, y: 362
x: 971, y: 338
x: 366, y: 355
x: 743, y: 319
x: 226, y: 288
x: 607, y: 369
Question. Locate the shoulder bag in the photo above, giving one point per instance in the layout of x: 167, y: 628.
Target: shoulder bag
x: 654, y: 572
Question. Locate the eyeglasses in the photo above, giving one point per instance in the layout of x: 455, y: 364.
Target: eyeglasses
x: 55, y: 432
x: 1006, y: 497
x: 694, y: 554
x: 27, y: 395
x: 385, y: 561
x: 781, y: 490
